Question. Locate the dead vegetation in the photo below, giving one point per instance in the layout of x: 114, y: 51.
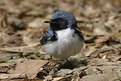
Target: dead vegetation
x: 21, y: 26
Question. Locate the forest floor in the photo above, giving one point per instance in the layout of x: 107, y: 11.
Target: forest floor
x: 22, y: 25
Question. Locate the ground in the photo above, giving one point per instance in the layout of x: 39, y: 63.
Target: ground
x: 22, y: 25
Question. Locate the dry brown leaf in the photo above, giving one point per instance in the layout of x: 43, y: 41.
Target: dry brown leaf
x: 102, y: 38
x: 101, y: 73
x: 103, y: 62
x: 28, y: 68
x: 32, y: 35
x: 37, y: 23
x: 116, y: 58
x: 4, y: 67
x: 63, y: 72
x: 117, y: 36
x: 4, y: 76
x: 26, y: 49
x: 100, y: 77
x: 90, y: 51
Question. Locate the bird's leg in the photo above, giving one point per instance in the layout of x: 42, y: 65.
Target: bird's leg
x: 71, y: 65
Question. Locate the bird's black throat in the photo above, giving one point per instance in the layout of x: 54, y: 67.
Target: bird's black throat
x: 58, y: 24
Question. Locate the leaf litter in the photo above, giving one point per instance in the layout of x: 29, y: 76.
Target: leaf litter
x: 22, y: 24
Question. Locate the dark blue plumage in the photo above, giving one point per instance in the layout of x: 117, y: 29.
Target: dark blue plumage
x: 60, y: 20
x: 49, y: 35
x: 65, y: 16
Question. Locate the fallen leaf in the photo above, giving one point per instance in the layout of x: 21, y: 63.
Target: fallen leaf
x: 100, y: 77
x: 26, y: 49
x: 102, y: 38
x: 4, y: 76
x: 117, y: 36
x: 28, y: 68
x: 64, y: 72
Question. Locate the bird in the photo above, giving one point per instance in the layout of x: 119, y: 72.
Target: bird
x: 63, y: 38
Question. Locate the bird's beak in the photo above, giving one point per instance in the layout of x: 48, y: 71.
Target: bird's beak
x: 47, y: 21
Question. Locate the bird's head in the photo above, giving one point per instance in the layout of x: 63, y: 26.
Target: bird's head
x: 62, y: 20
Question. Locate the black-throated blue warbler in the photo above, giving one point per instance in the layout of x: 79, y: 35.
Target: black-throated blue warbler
x: 63, y: 38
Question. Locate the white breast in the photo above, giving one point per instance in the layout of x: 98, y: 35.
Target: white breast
x: 68, y: 44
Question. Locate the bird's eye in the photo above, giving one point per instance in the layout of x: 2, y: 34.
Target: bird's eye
x: 60, y: 21
x: 64, y: 22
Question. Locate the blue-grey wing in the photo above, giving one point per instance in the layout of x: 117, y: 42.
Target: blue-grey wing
x: 49, y: 35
